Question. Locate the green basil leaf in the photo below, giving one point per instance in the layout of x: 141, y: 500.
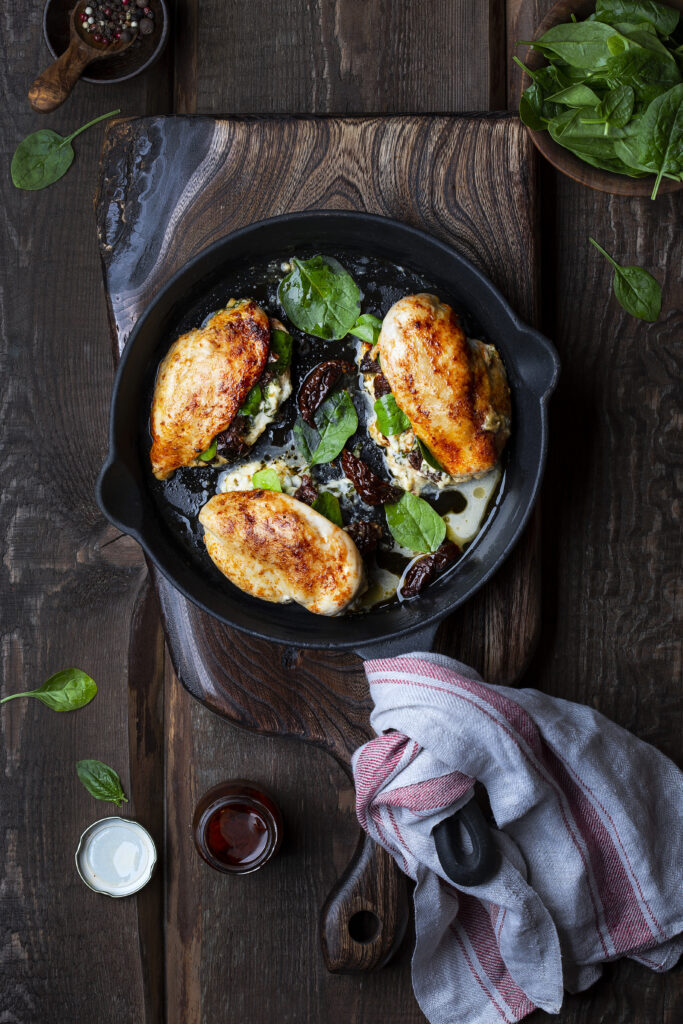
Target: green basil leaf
x: 320, y: 297
x: 581, y: 44
x: 414, y: 524
x: 663, y: 18
x: 337, y: 421
x: 281, y: 345
x: 367, y: 327
x: 430, y: 459
x: 209, y: 454
x: 44, y: 156
x: 101, y: 781
x: 636, y: 289
x: 328, y: 505
x: 67, y: 690
x: 252, y: 402
x: 390, y: 419
x: 266, y: 480
x: 306, y: 438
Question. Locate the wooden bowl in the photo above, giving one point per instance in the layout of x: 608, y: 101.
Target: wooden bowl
x: 563, y: 159
x: 136, y: 59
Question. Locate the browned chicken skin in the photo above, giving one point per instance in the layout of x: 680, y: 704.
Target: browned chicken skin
x: 279, y: 549
x: 453, y: 390
x: 202, y: 383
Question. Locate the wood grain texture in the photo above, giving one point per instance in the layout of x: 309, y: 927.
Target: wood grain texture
x: 68, y: 587
x: 200, y: 167
x: 343, y: 57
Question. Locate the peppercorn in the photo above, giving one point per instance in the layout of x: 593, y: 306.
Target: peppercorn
x: 146, y: 27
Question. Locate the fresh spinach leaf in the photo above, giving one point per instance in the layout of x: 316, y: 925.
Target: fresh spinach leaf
x: 615, y: 109
x: 266, y: 480
x: 390, y: 419
x: 663, y: 18
x: 320, y: 297
x: 210, y: 453
x: 581, y: 44
x: 328, y: 505
x: 337, y: 421
x: 67, y: 690
x: 578, y: 95
x: 659, y: 142
x: 281, y: 345
x: 252, y: 402
x: 531, y: 108
x: 101, y: 781
x: 636, y: 289
x: 44, y: 156
x: 430, y: 459
x: 367, y: 327
x: 645, y: 72
x: 414, y: 524
x: 306, y: 438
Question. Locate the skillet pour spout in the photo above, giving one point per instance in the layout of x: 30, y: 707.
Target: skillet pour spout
x: 125, y: 489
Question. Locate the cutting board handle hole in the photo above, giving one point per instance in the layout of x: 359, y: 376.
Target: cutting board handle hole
x: 364, y: 926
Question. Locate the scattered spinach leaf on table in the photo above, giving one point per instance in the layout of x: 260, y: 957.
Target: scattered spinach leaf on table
x: 101, y: 781
x: 336, y: 421
x: 320, y: 297
x: 636, y: 289
x: 390, y: 419
x: 266, y: 480
x: 328, y: 505
x: 67, y: 690
x: 414, y: 524
x: 44, y: 156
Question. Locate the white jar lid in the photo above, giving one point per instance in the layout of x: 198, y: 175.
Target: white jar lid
x: 116, y: 856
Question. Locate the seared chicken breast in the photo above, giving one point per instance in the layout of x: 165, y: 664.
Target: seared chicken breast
x: 453, y: 389
x: 279, y: 549
x: 202, y: 383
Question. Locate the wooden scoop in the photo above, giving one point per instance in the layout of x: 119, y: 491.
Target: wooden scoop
x: 54, y: 85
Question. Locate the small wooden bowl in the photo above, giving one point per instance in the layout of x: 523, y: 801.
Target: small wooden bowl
x: 133, y: 61
x: 563, y: 159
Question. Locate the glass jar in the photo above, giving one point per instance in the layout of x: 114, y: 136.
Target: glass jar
x: 237, y: 827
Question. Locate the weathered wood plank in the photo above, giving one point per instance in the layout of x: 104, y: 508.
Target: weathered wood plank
x: 67, y: 587
x: 343, y: 57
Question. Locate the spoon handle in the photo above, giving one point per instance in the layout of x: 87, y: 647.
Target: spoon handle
x: 52, y: 87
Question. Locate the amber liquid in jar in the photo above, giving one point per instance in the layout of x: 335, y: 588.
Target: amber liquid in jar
x: 237, y: 827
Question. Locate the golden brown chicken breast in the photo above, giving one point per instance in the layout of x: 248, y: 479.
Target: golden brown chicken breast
x: 202, y: 383
x: 453, y: 390
x: 279, y: 549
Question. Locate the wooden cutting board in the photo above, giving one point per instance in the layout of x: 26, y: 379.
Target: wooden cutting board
x: 169, y: 187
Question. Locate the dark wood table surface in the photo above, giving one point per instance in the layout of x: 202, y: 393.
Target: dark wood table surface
x: 194, y: 946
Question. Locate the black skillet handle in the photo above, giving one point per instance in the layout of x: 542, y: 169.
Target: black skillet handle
x: 466, y: 867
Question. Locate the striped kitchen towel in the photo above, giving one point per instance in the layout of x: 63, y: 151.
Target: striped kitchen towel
x: 589, y: 825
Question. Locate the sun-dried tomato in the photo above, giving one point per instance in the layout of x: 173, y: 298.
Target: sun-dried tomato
x: 428, y: 568
x: 366, y: 536
x: 415, y: 458
x: 307, y: 491
x: 371, y: 488
x: 231, y: 443
x: 381, y: 385
x: 368, y: 364
x: 318, y: 385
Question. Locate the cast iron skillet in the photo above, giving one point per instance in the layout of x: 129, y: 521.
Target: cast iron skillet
x: 124, y: 484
